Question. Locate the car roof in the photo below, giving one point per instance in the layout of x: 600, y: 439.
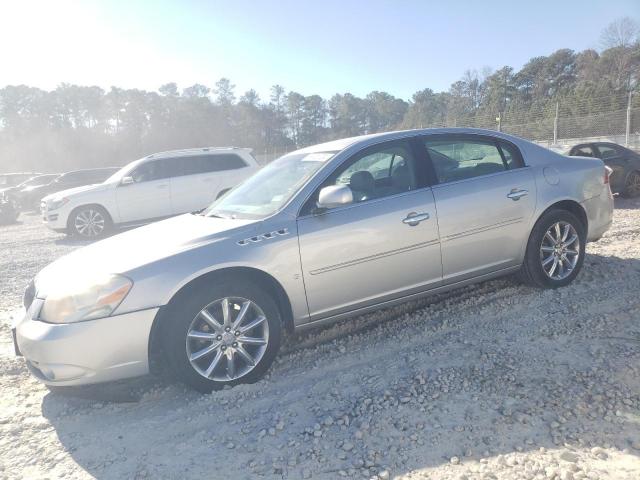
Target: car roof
x: 100, y: 169
x: 338, y: 145
x: 188, y: 152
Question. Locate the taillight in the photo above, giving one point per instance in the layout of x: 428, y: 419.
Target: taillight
x: 607, y: 172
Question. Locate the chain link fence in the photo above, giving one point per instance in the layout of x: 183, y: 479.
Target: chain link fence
x: 558, y: 125
x: 565, y: 123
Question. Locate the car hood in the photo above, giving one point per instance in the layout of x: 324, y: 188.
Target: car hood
x: 97, y: 187
x: 127, y: 251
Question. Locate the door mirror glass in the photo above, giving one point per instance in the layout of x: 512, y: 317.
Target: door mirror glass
x: 127, y: 181
x: 335, y: 196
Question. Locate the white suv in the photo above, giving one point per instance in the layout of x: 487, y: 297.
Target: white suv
x: 154, y: 187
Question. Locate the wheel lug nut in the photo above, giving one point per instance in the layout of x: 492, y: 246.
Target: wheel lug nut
x: 223, y: 348
x: 227, y: 329
x: 219, y: 337
x: 237, y: 333
x: 235, y: 344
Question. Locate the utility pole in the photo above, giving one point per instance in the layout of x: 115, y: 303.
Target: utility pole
x: 555, y: 125
x: 628, y: 127
x: 499, y: 121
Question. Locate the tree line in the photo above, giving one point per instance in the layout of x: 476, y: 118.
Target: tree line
x: 83, y: 126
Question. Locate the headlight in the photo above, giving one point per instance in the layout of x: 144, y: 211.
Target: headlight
x: 79, y: 300
x: 57, y: 203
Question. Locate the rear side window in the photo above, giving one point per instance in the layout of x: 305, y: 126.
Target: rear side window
x: 460, y: 159
x: 512, y: 156
x: 193, y: 165
x: 607, y: 152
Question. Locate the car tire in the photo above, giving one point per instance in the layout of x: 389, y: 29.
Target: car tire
x: 206, y: 349
x: 554, y: 257
x: 632, y: 185
x: 89, y: 222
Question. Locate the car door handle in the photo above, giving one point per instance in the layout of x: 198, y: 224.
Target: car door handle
x: 516, y: 194
x: 414, y: 218
x: 164, y: 185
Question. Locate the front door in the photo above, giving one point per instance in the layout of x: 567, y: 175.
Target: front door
x: 485, y: 197
x: 382, y: 246
x: 148, y: 197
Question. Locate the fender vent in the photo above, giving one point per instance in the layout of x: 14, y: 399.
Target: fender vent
x: 263, y: 236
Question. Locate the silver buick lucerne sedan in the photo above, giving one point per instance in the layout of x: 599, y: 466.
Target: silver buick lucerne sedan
x: 317, y: 236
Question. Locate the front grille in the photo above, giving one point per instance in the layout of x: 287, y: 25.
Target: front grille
x: 29, y: 295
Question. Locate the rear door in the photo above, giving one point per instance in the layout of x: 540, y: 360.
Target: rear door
x: 149, y: 196
x: 485, y: 196
x: 382, y: 246
x: 203, y: 177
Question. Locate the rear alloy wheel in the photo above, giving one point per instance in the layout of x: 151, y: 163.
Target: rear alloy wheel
x: 632, y: 185
x: 223, y: 334
x: 559, y: 250
x: 555, y: 251
x: 90, y: 222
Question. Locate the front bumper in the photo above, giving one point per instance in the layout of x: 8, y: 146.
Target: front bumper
x: 80, y: 353
x: 54, y: 219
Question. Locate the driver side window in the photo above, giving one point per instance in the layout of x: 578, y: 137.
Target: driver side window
x: 147, y: 172
x: 378, y: 173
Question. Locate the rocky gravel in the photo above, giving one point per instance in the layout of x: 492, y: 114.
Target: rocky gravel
x: 493, y: 381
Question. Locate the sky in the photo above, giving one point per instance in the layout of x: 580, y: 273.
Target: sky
x: 312, y: 47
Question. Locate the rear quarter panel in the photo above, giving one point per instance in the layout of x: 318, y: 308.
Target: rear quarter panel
x: 560, y: 177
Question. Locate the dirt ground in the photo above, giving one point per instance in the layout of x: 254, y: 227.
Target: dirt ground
x: 493, y: 381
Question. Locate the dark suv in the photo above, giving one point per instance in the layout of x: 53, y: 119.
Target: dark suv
x: 77, y: 178
x: 625, y: 164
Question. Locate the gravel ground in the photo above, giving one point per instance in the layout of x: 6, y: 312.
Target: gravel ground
x: 494, y: 381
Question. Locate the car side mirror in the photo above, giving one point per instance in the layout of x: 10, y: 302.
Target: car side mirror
x: 127, y: 181
x: 334, y: 196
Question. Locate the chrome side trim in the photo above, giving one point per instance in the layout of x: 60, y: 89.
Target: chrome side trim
x: 482, y: 229
x: 407, y: 298
x: 263, y: 236
x: 373, y: 257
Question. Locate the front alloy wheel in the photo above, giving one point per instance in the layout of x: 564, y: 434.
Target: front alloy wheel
x: 89, y: 222
x: 227, y: 339
x: 221, y: 332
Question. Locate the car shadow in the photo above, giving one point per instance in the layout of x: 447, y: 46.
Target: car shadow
x: 518, y: 402
x: 622, y: 203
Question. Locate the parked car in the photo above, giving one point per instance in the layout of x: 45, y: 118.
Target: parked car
x: 22, y: 193
x: 8, y: 180
x: 67, y: 181
x: 155, y: 187
x: 625, y: 163
x: 317, y: 236
x: 8, y: 211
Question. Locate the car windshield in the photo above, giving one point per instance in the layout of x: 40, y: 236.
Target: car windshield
x: 123, y: 172
x: 37, y: 181
x: 270, y: 188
